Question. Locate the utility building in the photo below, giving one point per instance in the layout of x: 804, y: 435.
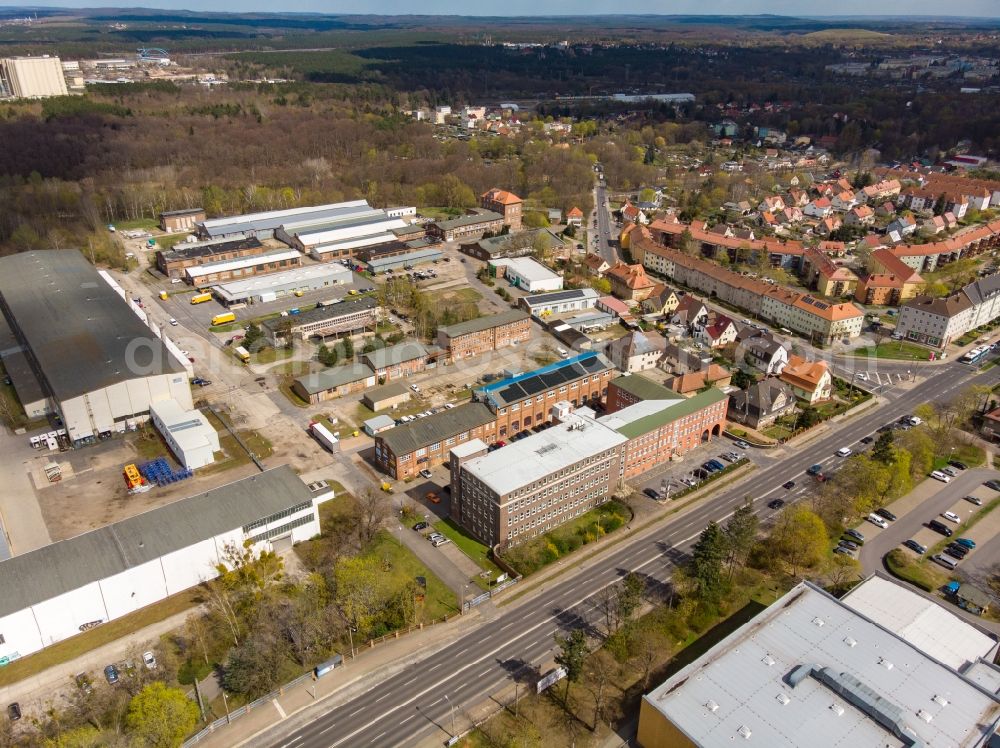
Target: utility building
x: 97, y: 365
x: 32, y: 77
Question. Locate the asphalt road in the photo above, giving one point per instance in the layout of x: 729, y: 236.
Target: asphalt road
x: 604, y: 247
x: 419, y: 701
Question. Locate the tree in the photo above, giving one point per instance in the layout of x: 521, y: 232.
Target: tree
x: 85, y: 736
x: 883, y: 451
x: 327, y: 356
x: 161, y: 717
x: 687, y: 244
x: 799, y: 538
x: 571, y: 655
x: 920, y: 446
x: 630, y: 594
x: 253, y: 339
x: 252, y: 668
x: 741, y: 535
x: 362, y: 591
x: 372, y: 509
x: 707, y: 557
x: 348, y: 348
x: 808, y: 417
x: 743, y: 379
x: 841, y: 570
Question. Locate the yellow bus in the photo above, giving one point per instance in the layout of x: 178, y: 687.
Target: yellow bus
x: 201, y: 298
x: 221, y: 319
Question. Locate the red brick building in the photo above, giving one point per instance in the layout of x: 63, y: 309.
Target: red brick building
x: 506, y: 204
x: 484, y: 334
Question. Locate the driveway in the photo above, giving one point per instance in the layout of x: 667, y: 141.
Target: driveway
x: 24, y: 528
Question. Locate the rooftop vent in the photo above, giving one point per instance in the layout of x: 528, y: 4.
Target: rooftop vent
x: 837, y: 709
x: 885, y: 663
x: 939, y: 699
x: 768, y: 660
x: 711, y: 706
x: 744, y: 732
x: 851, y: 642
x: 782, y: 698
x: 818, y: 621
x: 925, y: 715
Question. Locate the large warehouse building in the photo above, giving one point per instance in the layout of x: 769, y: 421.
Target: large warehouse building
x: 32, y: 77
x: 97, y: 365
x: 264, y: 288
x: 263, y: 225
x: 61, y: 589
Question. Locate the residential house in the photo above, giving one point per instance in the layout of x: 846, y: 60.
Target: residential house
x: 821, y: 207
x: 661, y: 300
x: 885, y: 210
x: 826, y: 276
x: 632, y: 214
x: 890, y: 281
x: 810, y: 380
x: 696, y: 381
x: 932, y: 225
x: 771, y: 204
x: 763, y: 352
x: 718, y: 334
x: 761, y: 404
x: 574, y: 217
x: 690, y: 311
x: 630, y: 282
x: 679, y: 360
x: 637, y: 351
x: 843, y: 201
x: 862, y: 215
x: 596, y: 265
x: 828, y: 225
x: 903, y: 225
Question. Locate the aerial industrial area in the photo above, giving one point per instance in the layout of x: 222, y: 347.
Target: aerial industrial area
x: 612, y: 417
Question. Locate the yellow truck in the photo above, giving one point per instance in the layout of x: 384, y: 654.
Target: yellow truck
x: 222, y: 319
x: 201, y: 298
x: 242, y: 354
x: 164, y: 295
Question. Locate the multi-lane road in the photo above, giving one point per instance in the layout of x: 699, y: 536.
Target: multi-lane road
x: 418, y: 702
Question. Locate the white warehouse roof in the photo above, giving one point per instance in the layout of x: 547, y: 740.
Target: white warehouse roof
x: 375, y: 226
x: 270, y: 220
x: 224, y: 266
x: 189, y: 429
x: 926, y: 625
x: 529, y: 269
x: 298, y: 276
x: 811, y: 671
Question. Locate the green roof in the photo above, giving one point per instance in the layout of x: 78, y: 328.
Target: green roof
x: 645, y: 389
x: 646, y: 424
x: 484, y: 323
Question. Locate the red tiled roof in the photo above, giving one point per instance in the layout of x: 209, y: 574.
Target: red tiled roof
x: 632, y: 277
x: 805, y: 375
x: 501, y: 196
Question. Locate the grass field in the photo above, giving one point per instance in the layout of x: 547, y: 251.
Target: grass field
x: 921, y: 573
x: 470, y: 547
x: 898, y: 350
x: 70, y: 649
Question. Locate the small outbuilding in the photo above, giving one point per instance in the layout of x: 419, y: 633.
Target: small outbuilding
x: 378, y: 424
x: 188, y: 433
x: 387, y: 396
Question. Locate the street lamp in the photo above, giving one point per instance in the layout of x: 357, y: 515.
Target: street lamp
x: 452, y: 715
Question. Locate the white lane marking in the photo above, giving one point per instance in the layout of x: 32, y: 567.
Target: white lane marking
x: 293, y: 741
x: 278, y: 707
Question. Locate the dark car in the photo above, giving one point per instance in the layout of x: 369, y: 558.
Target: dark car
x: 940, y: 527
x: 718, y: 465
x: 867, y: 439
x: 850, y: 544
x: 856, y: 534
x: 994, y: 484
x: 111, y: 674
x: 914, y: 546
x: 815, y: 469
x: 708, y: 466
x: 886, y: 514
x: 420, y: 526
x: 958, y: 464
x: 776, y: 504
x: 788, y: 484
x: 957, y: 551
x: 14, y: 711
x: 652, y: 493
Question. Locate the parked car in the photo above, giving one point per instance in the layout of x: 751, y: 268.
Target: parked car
x: 956, y: 551
x: 843, y: 550
x: 439, y: 541
x: 951, y: 517
x: 967, y: 542
x: 941, y: 527
x: 849, y: 544
x: 856, y: 534
x: 867, y: 439
x: 149, y: 660
x: 14, y: 712
x: 775, y: 504
x: 958, y: 464
x: 916, y: 547
x: 949, y: 470
x: 425, y: 473
x: 948, y: 563
x: 111, y: 674
x: 741, y: 444
x: 877, y: 521
x: 718, y: 465
x: 938, y: 475
x: 886, y: 514
x: 710, y: 467
x: 420, y: 526
x: 974, y: 500
x: 432, y: 497
x: 788, y: 484
x: 652, y: 493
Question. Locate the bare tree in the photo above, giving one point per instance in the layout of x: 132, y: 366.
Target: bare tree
x: 372, y: 512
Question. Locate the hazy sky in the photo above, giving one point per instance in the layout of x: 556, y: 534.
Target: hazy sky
x: 981, y: 8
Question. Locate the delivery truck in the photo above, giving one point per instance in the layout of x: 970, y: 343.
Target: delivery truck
x: 324, y: 436
x: 201, y: 298
x: 242, y: 354
x: 222, y: 319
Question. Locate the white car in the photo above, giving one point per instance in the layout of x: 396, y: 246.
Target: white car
x: 938, y: 475
x: 844, y: 452
x: 951, y: 517
x: 173, y: 322
x: 149, y: 660
x: 414, y: 388
x: 877, y: 521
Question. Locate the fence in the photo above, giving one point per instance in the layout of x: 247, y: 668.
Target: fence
x: 247, y: 708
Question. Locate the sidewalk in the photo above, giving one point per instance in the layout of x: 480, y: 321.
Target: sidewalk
x: 36, y: 692
x: 307, y: 700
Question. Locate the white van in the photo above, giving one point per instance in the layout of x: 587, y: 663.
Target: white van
x: 948, y: 563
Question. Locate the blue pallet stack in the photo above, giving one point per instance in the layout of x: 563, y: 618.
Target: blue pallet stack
x: 158, y: 471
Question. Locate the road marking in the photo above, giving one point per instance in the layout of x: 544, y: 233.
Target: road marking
x: 356, y: 711
x: 375, y: 739
x: 293, y: 741
x: 278, y: 707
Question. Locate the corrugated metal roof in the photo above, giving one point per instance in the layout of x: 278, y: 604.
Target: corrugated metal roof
x: 81, y: 332
x: 334, y: 377
x: 58, y: 568
x: 483, y: 323
x: 435, y: 428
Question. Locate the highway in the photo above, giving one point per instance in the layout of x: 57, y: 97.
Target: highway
x: 419, y: 701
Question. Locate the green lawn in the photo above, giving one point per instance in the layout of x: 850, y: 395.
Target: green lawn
x: 70, y: 649
x: 404, y: 566
x: 537, y: 553
x: 970, y: 454
x: 270, y: 355
x: 899, y: 350
x: 470, y: 547
x: 920, y: 573
x: 145, y: 224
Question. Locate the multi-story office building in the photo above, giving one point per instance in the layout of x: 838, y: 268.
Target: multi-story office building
x: 484, y: 334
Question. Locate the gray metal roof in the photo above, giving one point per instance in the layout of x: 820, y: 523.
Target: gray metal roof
x: 395, y: 354
x: 58, y: 568
x: 484, y: 323
x: 185, y: 212
x: 272, y: 219
x: 323, y: 313
x: 468, y: 220
x: 434, y: 428
x: 982, y: 289
x: 192, y: 250
x: 82, y: 334
x: 334, y: 377
x: 809, y: 671
x: 392, y: 389
x: 554, y: 297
